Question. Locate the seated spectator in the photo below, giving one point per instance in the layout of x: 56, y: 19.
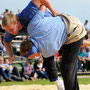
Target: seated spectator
x: 19, y: 11
x: 39, y: 69
x: 15, y: 75
x: 8, y: 68
x: 88, y: 53
x: 57, y: 59
x: 82, y: 59
x: 3, y: 71
x: 2, y: 46
x: 12, y: 72
x: 88, y: 58
x: 27, y: 71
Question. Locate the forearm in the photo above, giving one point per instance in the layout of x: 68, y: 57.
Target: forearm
x: 47, y: 4
x: 44, y: 2
x: 37, y: 2
x: 8, y: 49
x: 86, y: 43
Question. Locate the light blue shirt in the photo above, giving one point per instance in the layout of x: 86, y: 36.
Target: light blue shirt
x: 47, y: 33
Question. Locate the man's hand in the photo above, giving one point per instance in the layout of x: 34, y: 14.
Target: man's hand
x: 55, y: 13
x: 43, y: 8
x: 11, y: 59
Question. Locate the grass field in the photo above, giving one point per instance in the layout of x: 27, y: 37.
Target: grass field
x: 82, y: 80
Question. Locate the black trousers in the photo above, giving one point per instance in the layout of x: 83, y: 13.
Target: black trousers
x: 68, y: 65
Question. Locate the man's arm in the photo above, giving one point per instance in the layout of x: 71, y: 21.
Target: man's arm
x: 86, y: 43
x: 9, y: 50
x: 47, y: 4
x: 7, y: 43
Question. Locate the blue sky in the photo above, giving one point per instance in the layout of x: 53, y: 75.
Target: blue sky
x: 77, y: 8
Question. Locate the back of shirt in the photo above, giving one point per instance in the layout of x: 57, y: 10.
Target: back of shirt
x: 47, y: 33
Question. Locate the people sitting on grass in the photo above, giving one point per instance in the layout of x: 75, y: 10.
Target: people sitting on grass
x: 4, y: 71
x: 8, y: 72
x: 39, y: 69
x: 27, y: 71
x: 82, y: 59
x: 12, y: 72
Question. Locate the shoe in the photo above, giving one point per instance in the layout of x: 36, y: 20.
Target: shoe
x: 8, y: 79
x: 59, y: 84
x: 23, y: 79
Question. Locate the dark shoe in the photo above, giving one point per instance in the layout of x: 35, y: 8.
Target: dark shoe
x: 9, y: 79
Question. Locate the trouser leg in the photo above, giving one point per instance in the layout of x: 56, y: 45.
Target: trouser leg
x: 16, y: 72
x: 3, y: 74
x: 50, y: 68
x: 8, y: 73
x: 68, y: 65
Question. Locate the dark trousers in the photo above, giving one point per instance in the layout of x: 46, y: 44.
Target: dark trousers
x: 68, y: 65
x: 4, y: 74
x: 16, y: 74
x: 50, y: 67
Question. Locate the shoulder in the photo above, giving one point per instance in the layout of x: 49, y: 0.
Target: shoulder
x: 8, y: 37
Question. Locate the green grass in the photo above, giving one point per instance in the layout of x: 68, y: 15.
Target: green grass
x: 84, y: 80
x: 42, y: 82
x: 29, y: 82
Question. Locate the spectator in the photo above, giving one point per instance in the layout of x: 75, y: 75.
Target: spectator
x: 12, y: 72
x: 11, y: 12
x: 82, y: 60
x: 3, y: 70
x: 19, y: 11
x: 86, y: 25
x: 39, y: 69
x: 15, y: 75
x: 27, y: 71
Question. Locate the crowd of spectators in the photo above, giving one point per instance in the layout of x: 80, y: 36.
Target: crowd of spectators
x: 28, y: 70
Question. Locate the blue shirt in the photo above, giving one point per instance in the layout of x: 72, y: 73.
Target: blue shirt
x: 81, y: 54
x: 47, y: 33
x: 25, y: 17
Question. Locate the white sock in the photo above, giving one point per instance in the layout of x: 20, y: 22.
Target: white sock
x: 60, y: 84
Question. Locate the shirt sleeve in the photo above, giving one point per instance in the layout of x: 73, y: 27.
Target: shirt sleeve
x: 28, y: 13
x: 8, y: 37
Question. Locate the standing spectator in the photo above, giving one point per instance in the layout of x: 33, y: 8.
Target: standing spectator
x: 6, y: 12
x: 88, y: 58
x: 19, y: 11
x: 11, y: 12
x: 86, y: 25
x: 8, y: 68
x: 57, y: 59
x: 2, y: 46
